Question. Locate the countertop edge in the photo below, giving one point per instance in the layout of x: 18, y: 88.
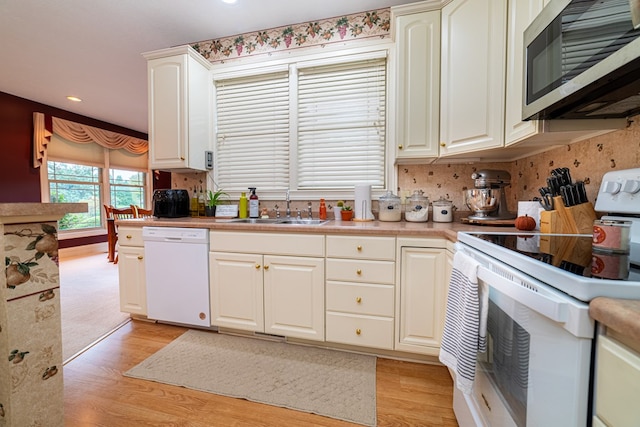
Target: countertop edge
x: 622, y: 315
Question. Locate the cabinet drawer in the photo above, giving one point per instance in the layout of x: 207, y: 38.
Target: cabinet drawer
x: 363, y: 271
x: 268, y: 243
x: 130, y: 236
x: 376, y: 300
x: 362, y: 247
x: 365, y: 331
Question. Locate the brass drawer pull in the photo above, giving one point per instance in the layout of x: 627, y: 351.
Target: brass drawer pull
x: 266, y: 267
x: 140, y: 257
x: 129, y: 236
x: 358, y: 331
x: 358, y: 300
x: 258, y: 266
x: 359, y: 272
x: 359, y: 248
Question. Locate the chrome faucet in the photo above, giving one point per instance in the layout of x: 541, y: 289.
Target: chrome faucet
x: 288, y: 204
x: 309, y: 214
x: 277, y: 209
x: 298, y: 215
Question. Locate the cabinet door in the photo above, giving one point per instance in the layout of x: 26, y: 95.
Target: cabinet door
x: 472, y: 75
x: 132, y: 280
x: 167, y: 112
x: 617, y: 385
x: 180, y: 109
x: 422, y: 299
x: 418, y: 85
x: 236, y: 291
x: 521, y: 13
x: 294, y: 296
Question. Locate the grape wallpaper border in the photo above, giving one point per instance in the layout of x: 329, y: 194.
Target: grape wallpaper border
x: 374, y: 23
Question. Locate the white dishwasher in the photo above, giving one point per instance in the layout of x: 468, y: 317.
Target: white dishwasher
x: 177, y: 269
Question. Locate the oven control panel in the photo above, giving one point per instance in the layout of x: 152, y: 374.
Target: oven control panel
x: 620, y: 192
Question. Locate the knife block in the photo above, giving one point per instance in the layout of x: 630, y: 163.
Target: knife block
x: 576, y: 219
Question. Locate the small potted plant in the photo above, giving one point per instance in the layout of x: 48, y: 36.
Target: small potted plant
x: 213, y: 200
x: 346, y: 213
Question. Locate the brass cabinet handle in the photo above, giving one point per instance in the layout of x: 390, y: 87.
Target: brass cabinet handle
x: 266, y: 267
x: 129, y: 236
x: 140, y: 257
x: 358, y: 272
x: 442, y: 144
x: 400, y: 147
x: 358, y: 300
x: 258, y: 266
x: 358, y: 331
x: 181, y: 157
x: 359, y: 248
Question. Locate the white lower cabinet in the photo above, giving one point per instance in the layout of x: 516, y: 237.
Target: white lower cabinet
x: 131, y: 271
x: 270, y: 290
x: 360, y: 287
x: 617, y: 383
x: 421, y: 294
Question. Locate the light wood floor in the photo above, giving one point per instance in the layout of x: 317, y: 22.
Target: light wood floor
x: 97, y: 394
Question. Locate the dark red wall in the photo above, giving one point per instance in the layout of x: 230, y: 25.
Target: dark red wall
x: 19, y: 180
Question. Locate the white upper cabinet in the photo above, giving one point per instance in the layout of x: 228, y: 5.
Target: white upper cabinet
x: 417, y: 82
x: 180, y: 109
x: 472, y: 76
x: 521, y: 13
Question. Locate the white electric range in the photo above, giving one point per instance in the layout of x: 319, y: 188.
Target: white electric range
x: 537, y: 369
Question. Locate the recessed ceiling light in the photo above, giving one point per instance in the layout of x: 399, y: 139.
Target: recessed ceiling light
x: 74, y: 99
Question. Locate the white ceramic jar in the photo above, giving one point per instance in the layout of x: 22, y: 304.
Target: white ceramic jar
x: 443, y: 210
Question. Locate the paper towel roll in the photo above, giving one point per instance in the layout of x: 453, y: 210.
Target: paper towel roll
x: 362, y: 204
x: 531, y: 209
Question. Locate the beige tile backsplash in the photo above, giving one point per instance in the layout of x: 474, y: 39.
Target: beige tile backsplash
x: 588, y: 160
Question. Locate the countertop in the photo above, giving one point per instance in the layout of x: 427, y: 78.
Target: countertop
x: 621, y: 315
x: 25, y: 212
x: 448, y: 230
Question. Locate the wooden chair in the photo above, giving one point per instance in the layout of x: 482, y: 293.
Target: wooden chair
x: 125, y: 213
x: 141, y: 212
x: 112, y: 236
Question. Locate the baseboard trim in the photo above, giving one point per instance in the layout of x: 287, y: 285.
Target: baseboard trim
x: 84, y: 250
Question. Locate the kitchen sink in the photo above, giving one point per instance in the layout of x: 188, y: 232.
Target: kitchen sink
x: 296, y: 221
x: 256, y: 220
x: 284, y: 221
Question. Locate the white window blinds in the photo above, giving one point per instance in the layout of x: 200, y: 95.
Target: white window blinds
x: 319, y: 126
x: 253, y: 132
x: 341, y: 125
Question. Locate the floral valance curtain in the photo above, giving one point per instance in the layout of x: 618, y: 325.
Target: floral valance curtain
x: 81, y: 134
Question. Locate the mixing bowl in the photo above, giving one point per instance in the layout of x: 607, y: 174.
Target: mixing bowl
x: 482, y: 201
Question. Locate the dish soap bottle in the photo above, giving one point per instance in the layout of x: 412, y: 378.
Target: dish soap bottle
x: 254, y: 204
x: 322, y: 210
x: 242, y: 209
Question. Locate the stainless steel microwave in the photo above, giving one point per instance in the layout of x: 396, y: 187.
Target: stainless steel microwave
x: 582, y: 60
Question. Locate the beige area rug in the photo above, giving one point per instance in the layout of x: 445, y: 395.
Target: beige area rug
x: 326, y: 382
x: 90, y: 301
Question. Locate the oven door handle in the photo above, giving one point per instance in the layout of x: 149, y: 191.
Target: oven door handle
x: 546, y: 305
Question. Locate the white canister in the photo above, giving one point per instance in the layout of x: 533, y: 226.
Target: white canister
x: 442, y: 210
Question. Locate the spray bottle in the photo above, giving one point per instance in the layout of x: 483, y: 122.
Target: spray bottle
x: 254, y: 204
x: 242, y: 209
